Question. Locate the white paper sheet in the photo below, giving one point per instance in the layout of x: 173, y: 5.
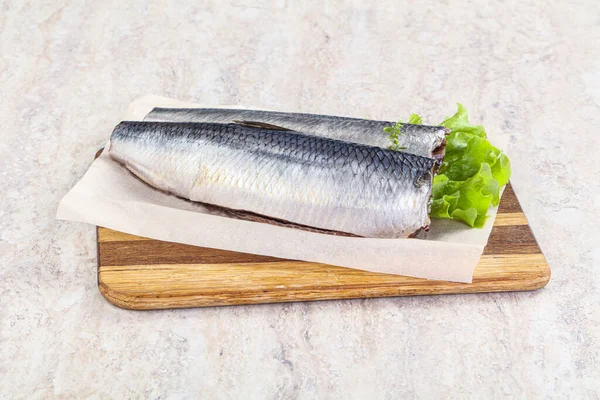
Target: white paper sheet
x: 108, y: 195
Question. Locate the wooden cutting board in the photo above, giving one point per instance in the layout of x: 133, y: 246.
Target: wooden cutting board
x: 146, y: 274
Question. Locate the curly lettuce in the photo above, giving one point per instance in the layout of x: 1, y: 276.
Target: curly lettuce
x: 472, y: 173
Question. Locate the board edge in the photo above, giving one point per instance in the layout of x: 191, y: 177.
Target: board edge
x: 145, y: 303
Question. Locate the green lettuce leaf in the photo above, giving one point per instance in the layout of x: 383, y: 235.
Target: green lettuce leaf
x: 468, y: 200
x: 415, y: 120
x: 459, y: 122
x: 472, y: 174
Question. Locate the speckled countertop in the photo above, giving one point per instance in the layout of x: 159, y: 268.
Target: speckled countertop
x: 69, y: 68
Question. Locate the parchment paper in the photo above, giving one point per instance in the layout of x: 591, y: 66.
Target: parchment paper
x: 109, y: 196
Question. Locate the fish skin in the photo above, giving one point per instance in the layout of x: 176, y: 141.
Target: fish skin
x: 306, y: 180
x: 423, y: 140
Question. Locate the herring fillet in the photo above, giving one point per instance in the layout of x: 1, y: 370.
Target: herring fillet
x: 423, y: 140
x: 306, y: 180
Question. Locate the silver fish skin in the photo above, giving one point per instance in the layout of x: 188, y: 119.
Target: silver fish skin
x: 306, y: 180
x: 423, y: 140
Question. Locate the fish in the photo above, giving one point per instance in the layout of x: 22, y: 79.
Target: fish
x: 423, y: 140
x: 288, y: 176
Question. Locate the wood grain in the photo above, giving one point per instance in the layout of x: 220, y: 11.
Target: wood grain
x: 146, y: 274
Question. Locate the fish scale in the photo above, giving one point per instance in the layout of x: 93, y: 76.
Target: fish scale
x: 289, y: 176
x: 424, y: 140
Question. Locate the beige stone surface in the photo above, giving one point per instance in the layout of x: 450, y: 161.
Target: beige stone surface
x: 523, y: 68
